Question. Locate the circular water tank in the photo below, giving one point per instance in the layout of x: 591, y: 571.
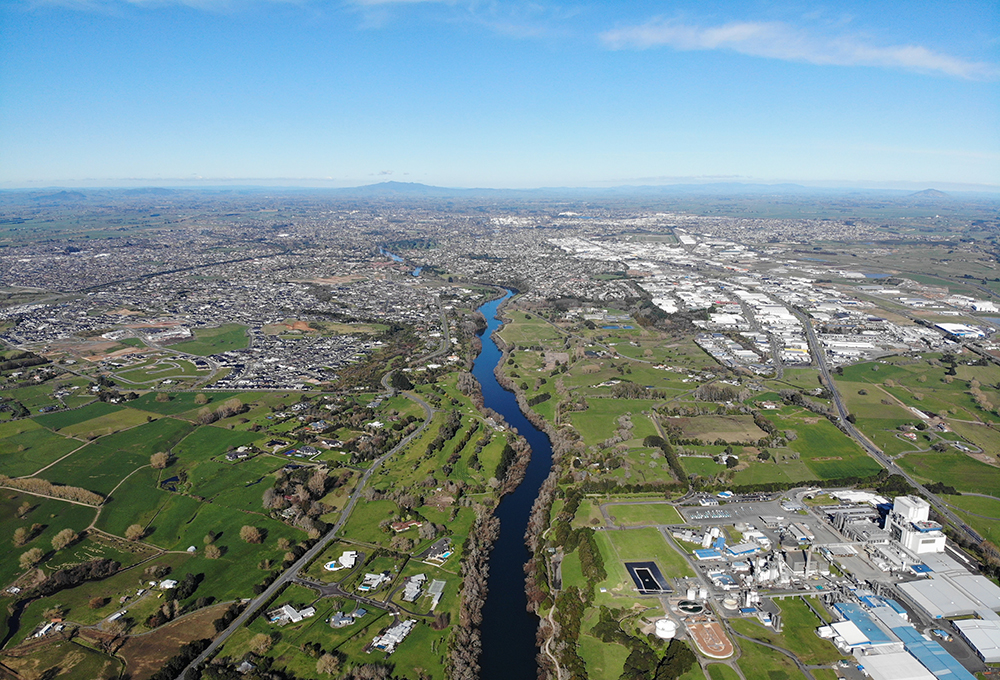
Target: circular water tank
x: 730, y: 603
x: 665, y: 629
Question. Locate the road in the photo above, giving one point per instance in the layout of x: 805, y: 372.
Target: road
x: 939, y: 506
x: 748, y: 313
x: 293, y: 571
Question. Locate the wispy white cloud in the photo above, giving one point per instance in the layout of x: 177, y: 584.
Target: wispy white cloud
x: 113, y: 7
x: 510, y: 18
x: 778, y: 40
x: 376, y: 3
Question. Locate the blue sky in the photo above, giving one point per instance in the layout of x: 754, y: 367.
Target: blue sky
x: 478, y: 93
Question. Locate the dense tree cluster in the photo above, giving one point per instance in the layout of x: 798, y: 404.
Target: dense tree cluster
x: 467, y: 644
x: 47, y: 488
x: 626, y: 389
x: 17, y: 360
x: 673, y: 460
x: 69, y: 577
x: 539, y: 398
x: 301, y: 490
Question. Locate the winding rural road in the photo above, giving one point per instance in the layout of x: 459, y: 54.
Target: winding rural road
x: 292, y: 572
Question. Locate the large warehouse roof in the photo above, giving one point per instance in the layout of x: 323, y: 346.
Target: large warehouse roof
x: 984, y: 636
x: 979, y: 588
x: 895, y: 666
x: 939, y: 598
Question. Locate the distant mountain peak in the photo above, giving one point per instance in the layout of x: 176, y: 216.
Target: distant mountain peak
x: 60, y: 196
x: 393, y: 185
x: 929, y: 193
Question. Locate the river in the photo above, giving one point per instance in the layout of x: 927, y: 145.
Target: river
x: 508, y: 628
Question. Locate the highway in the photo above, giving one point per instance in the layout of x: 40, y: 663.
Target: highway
x: 817, y: 350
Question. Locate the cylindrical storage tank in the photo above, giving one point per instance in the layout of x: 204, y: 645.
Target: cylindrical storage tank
x: 665, y: 629
x: 730, y: 603
x: 692, y: 593
x: 703, y: 593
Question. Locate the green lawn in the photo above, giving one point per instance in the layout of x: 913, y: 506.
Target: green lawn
x: 214, y: 340
x: 758, y: 662
x: 597, y: 423
x: 798, y: 633
x: 718, y: 671
x: 33, y: 449
x: 102, y: 464
x: 604, y: 661
x: 53, y: 516
x: 989, y: 528
x: 654, y: 513
x: 61, y: 419
x: 179, y: 402
x: 954, y: 469
x: 639, y: 545
x: 107, y: 424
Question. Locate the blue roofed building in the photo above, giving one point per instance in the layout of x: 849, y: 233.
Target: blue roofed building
x: 929, y: 653
x: 865, y: 623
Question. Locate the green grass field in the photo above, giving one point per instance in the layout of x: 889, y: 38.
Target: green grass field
x: 954, y: 469
x: 102, y: 464
x: 209, y: 441
x: 639, y: 545
x: 597, y: 423
x: 703, y: 467
x: 33, y: 449
x: 61, y: 419
x: 214, y: 340
x: 718, y: 671
x: 762, y: 473
x: 604, y: 661
x: 107, y: 424
x: 363, y: 522
x: 798, y: 633
x: 179, y: 402
x: 52, y: 515
x: 522, y: 330
x: 710, y: 428
x: 757, y: 661
x: 965, y: 506
x: 654, y: 513
x: 828, y: 452
x: 237, y: 485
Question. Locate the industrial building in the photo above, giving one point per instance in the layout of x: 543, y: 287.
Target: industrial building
x: 983, y: 636
x: 886, y: 645
x: 909, y: 525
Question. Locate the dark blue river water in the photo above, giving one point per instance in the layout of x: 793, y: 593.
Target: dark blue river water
x: 508, y: 628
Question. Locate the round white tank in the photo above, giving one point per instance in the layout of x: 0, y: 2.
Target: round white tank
x: 665, y: 629
x: 703, y: 593
x: 730, y: 603
x: 692, y: 593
